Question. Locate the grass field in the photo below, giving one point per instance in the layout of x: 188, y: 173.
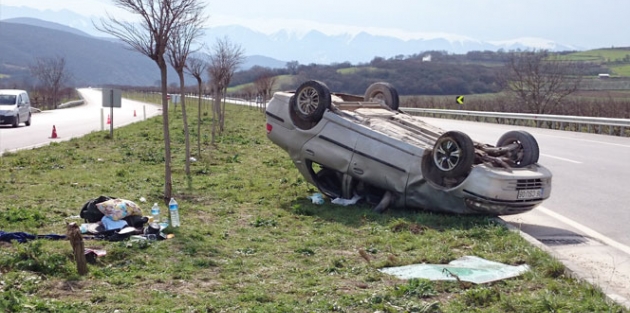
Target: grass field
x: 352, y: 70
x: 250, y: 240
x: 621, y: 70
x: 599, y: 55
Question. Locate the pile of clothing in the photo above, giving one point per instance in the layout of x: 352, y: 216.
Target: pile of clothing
x: 116, y: 219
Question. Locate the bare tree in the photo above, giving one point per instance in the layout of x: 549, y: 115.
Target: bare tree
x: 249, y: 91
x: 196, y: 67
x: 539, y: 81
x: 264, y: 84
x: 293, y: 66
x: 158, y: 20
x: 224, y: 59
x: 179, y: 47
x: 52, y: 73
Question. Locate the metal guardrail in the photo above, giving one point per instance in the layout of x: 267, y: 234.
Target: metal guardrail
x: 614, y: 126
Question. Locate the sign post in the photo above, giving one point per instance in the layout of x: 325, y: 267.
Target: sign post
x: 112, y: 98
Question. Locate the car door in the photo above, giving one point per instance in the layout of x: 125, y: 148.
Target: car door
x: 381, y: 162
x: 27, y: 106
x: 333, y: 145
x: 22, y: 107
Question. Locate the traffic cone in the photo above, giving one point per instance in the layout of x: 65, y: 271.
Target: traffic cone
x: 134, y: 113
x: 54, y: 133
x: 109, y: 121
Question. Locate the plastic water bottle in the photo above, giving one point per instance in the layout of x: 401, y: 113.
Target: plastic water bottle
x: 173, y: 208
x: 155, y: 212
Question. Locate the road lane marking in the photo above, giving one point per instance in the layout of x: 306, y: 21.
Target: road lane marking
x: 562, y: 159
x: 588, y: 140
x: 589, y: 232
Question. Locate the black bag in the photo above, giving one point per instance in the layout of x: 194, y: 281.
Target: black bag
x: 90, y: 212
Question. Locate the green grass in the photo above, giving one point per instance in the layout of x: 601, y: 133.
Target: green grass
x: 621, y: 70
x: 250, y: 239
x: 599, y: 55
x: 354, y: 70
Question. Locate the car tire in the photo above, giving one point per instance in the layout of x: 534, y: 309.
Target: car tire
x: 528, y: 151
x: 453, y: 154
x: 384, y: 92
x: 310, y: 101
x: 16, y: 121
x: 28, y: 122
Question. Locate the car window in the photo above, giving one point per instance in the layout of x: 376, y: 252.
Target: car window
x: 25, y: 98
x: 7, y: 99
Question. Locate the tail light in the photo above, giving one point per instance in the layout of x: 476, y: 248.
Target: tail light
x: 269, y: 128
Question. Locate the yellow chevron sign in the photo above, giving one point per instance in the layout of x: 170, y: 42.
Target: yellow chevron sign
x: 460, y: 99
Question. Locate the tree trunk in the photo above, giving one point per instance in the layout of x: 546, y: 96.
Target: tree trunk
x: 168, y: 182
x: 185, y: 118
x: 223, y: 111
x: 199, y: 121
x: 216, y: 110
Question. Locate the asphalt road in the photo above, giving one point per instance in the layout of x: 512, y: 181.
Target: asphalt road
x: 73, y: 122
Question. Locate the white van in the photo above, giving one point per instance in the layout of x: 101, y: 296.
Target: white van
x: 15, y: 107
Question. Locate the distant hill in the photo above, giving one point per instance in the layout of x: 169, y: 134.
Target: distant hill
x: 46, y: 24
x: 91, y: 60
x: 617, y: 59
x: 259, y: 60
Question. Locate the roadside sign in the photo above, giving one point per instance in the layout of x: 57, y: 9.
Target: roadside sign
x: 460, y: 99
x: 112, y: 98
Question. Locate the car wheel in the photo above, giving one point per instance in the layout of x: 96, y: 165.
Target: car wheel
x: 28, y: 122
x: 453, y: 154
x: 310, y: 101
x: 528, y: 151
x: 16, y: 121
x: 384, y: 92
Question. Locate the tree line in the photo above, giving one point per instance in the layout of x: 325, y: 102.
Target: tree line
x: 445, y: 74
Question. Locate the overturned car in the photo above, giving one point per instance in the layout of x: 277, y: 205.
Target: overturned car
x: 349, y: 145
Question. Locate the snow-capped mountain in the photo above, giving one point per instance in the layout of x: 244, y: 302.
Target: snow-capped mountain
x: 312, y: 46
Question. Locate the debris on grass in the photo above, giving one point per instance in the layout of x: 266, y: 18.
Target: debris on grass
x: 468, y: 268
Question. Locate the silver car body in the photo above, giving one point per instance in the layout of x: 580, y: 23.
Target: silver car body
x: 383, y: 149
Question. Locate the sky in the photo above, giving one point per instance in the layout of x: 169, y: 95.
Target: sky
x: 583, y: 24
